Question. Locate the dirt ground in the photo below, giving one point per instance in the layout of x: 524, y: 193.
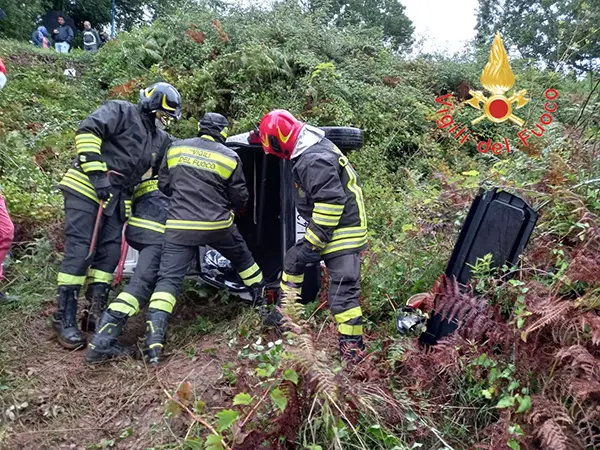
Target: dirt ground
x: 51, y: 400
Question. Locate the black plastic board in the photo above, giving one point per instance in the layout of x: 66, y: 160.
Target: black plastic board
x: 499, y: 223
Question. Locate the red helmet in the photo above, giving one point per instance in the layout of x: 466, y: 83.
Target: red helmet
x: 279, y: 131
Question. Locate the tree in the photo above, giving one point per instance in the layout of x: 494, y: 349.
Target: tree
x: 560, y: 33
x: 99, y: 12
x: 388, y: 14
x: 487, y: 16
x: 21, y: 17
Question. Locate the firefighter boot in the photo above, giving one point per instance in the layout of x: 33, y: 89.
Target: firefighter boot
x: 156, y: 330
x: 104, y: 345
x: 259, y: 299
x: 64, y: 320
x: 274, y: 318
x: 96, y: 296
x: 351, y: 350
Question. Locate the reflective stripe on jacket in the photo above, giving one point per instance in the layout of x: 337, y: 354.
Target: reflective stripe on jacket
x: 78, y: 184
x: 328, y: 194
x: 146, y: 226
x: 205, y: 181
x: 116, y: 136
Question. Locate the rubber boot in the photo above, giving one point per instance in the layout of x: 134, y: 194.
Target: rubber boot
x: 64, y: 320
x: 273, y: 318
x: 96, y: 296
x: 351, y: 350
x: 104, y: 345
x: 257, y: 291
x: 156, y: 330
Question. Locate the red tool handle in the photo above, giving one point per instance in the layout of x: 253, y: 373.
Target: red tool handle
x: 99, y: 218
x: 121, y: 266
x: 96, y: 228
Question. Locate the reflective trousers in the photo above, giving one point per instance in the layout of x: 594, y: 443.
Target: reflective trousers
x: 80, y: 217
x: 176, y: 259
x: 344, y: 290
x: 136, y: 294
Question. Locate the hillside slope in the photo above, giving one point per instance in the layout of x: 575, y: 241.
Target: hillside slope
x: 523, y: 370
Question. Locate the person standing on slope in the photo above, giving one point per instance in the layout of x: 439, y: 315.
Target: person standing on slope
x: 205, y: 181
x: 328, y: 195
x: 122, y: 137
x: 91, y: 39
x: 63, y: 35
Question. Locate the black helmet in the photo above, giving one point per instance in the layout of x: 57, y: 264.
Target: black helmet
x: 215, y: 125
x: 161, y: 97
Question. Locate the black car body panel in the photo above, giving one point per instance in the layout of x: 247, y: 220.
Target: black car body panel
x: 272, y: 224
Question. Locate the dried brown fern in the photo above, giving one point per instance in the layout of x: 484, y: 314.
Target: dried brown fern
x: 476, y: 319
x: 553, y: 425
x: 552, y: 436
x: 376, y: 403
x: 592, y: 320
x: 555, y: 311
x: 587, y: 420
x: 585, y: 258
x: 582, y: 363
x: 317, y: 372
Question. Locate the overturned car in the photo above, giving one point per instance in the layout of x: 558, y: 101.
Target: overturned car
x: 271, y: 225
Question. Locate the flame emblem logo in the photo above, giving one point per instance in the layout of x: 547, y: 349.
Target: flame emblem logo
x: 498, y: 78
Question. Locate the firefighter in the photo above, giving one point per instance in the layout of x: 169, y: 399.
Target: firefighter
x: 121, y: 137
x: 205, y: 181
x: 328, y: 194
x: 145, y: 233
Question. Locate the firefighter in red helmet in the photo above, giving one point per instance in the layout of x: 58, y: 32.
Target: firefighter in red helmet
x: 328, y: 194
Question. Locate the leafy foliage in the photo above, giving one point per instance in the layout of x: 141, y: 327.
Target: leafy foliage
x: 559, y: 33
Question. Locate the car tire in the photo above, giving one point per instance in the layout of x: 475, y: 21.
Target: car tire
x: 346, y: 138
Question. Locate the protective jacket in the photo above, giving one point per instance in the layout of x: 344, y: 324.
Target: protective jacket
x: 201, y: 171
x: 117, y: 136
x: 328, y: 195
x: 146, y: 226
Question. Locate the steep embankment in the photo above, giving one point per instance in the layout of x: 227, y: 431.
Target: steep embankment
x: 523, y: 371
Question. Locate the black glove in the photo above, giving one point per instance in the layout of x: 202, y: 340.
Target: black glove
x: 308, y: 254
x: 101, y: 185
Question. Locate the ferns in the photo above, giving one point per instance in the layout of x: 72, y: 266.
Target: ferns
x: 476, y: 319
x: 552, y: 424
x: 553, y: 313
x: 592, y: 320
x: 317, y: 372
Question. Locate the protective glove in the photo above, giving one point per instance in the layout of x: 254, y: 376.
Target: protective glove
x: 101, y: 185
x: 308, y: 254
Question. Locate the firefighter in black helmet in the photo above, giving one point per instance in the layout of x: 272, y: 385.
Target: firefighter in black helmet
x: 205, y: 181
x: 118, y: 136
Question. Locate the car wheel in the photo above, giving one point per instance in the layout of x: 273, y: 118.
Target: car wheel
x: 346, y: 138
